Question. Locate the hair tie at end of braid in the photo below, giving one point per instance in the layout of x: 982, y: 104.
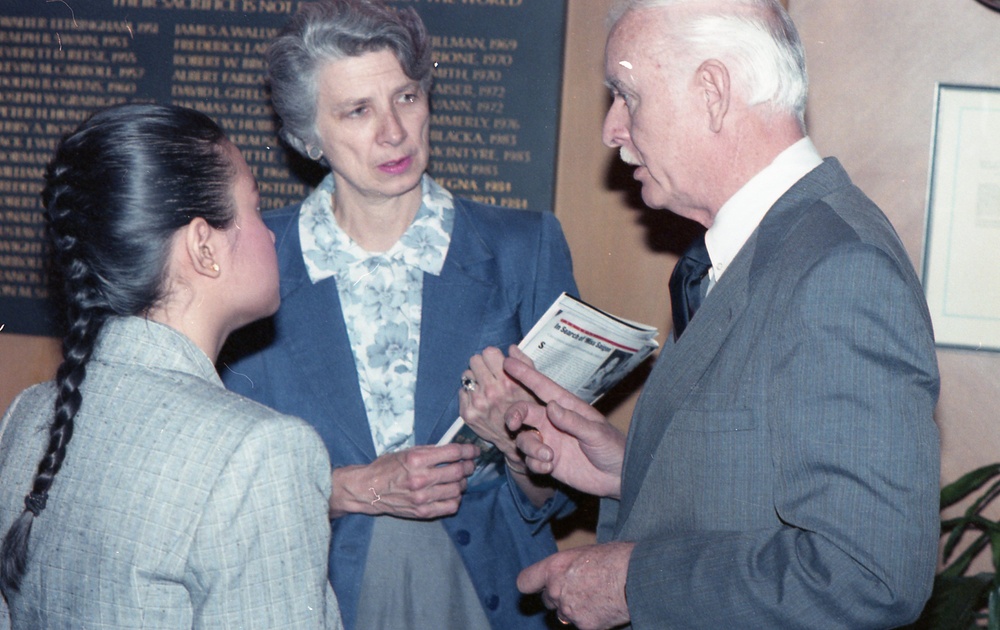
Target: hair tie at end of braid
x: 35, y: 502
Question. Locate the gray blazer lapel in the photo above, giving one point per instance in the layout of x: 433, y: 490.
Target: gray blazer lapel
x: 681, y: 365
x: 678, y: 368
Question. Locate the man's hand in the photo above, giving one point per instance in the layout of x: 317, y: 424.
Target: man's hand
x: 584, y: 585
x: 567, y: 438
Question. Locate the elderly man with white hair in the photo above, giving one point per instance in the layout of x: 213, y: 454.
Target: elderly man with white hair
x: 781, y: 468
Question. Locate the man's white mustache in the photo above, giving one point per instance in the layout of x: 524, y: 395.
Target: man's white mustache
x: 628, y: 157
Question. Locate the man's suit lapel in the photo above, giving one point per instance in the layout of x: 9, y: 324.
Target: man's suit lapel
x: 324, y: 360
x: 681, y: 365
x: 678, y: 368
x: 454, y: 309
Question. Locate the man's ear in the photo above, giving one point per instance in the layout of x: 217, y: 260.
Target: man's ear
x: 201, y: 242
x: 713, y: 80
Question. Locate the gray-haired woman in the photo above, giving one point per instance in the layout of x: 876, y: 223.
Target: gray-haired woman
x: 389, y: 285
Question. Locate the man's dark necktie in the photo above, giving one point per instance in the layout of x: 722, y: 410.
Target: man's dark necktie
x: 685, y: 284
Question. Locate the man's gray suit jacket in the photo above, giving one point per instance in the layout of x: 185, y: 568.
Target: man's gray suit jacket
x: 782, y: 466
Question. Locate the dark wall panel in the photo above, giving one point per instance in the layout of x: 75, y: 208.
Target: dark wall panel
x: 494, y: 103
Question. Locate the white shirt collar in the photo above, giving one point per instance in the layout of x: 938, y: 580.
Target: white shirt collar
x: 740, y: 216
x: 328, y: 251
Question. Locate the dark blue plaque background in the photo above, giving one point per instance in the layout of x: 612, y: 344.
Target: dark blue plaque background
x: 521, y: 116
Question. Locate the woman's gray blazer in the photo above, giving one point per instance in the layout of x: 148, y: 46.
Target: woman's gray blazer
x: 179, y: 504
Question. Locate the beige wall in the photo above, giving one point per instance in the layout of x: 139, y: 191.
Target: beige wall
x: 25, y: 361
x: 874, y: 65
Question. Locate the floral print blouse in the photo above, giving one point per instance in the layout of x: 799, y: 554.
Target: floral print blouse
x: 381, y: 300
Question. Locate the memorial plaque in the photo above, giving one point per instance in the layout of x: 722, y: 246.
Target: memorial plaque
x: 494, y: 103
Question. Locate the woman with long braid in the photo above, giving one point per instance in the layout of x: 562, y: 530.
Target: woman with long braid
x: 136, y: 490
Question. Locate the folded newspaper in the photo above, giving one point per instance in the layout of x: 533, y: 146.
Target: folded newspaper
x: 580, y: 347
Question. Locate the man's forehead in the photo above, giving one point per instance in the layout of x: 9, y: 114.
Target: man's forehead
x: 624, y: 57
x: 632, y: 40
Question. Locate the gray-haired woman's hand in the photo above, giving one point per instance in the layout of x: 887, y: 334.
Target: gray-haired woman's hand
x: 423, y: 482
x: 484, y: 403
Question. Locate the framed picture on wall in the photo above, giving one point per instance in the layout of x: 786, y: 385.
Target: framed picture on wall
x: 961, y: 267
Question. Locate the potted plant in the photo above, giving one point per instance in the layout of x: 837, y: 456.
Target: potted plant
x: 961, y: 601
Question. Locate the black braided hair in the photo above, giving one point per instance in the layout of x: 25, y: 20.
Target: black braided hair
x: 117, y: 190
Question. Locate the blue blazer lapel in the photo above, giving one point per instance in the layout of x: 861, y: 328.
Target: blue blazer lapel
x: 454, y: 307
x: 323, y: 361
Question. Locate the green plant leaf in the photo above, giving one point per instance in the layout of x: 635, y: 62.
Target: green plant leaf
x: 994, y: 610
x: 954, y: 602
x: 984, y: 499
x: 989, y: 529
x: 955, y: 538
x: 967, y: 484
x: 958, y: 490
x: 960, y: 602
x: 995, y: 548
